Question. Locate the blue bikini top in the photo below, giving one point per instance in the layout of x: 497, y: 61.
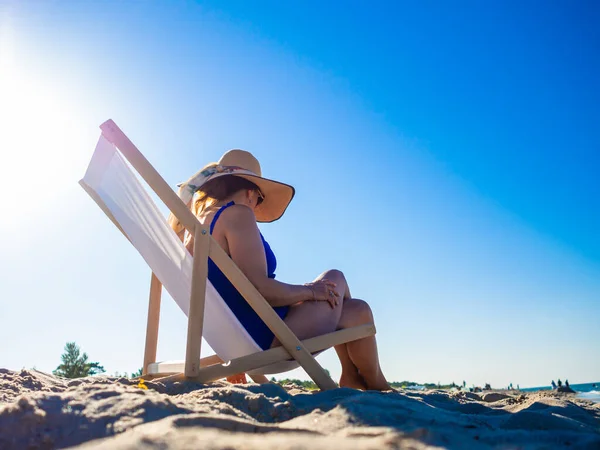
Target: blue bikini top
x: 271, y: 259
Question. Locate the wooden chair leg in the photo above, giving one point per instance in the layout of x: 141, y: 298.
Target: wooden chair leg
x: 152, y: 324
x: 197, y: 300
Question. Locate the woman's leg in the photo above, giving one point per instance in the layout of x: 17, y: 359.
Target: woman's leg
x: 309, y: 319
x: 363, y: 352
x: 360, y: 369
x: 350, y: 376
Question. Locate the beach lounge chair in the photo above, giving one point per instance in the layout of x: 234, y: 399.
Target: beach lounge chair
x: 112, y: 183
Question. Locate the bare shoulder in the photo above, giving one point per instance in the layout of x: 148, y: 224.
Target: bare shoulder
x: 239, y: 217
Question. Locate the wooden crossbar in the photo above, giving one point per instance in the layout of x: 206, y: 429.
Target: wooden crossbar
x: 279, y: 354
x: 210, y: 372
x: 204, y: 362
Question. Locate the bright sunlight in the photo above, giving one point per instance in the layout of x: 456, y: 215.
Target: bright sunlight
x: 36, y: 136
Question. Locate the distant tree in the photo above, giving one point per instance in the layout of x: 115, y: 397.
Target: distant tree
x: 76, y: 365
x: 137, y: 373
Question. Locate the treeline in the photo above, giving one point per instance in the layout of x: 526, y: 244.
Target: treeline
x: 310, y: 385
x: 405, y: 384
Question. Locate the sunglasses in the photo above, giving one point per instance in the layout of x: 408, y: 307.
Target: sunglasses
x: 261, y: 197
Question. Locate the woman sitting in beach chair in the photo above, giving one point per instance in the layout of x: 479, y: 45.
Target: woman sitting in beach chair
x: 232, y: 196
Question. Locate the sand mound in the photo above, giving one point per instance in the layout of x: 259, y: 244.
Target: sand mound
x: 38, y: 410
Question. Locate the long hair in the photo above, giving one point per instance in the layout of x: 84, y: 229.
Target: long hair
x: 208, y: 194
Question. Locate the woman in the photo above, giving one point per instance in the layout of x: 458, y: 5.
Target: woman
x: 232, y: 196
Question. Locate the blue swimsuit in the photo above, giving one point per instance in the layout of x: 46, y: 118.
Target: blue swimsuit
x: 253, y: 324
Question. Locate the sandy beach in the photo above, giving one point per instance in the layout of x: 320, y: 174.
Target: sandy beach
x: 39, y: 410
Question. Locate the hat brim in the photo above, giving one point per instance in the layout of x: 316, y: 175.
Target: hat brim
x: 277, y: 196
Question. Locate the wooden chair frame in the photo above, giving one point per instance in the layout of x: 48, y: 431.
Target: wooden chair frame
x: 212, y: 368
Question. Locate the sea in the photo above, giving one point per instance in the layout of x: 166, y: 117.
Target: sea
x: 588, y: 391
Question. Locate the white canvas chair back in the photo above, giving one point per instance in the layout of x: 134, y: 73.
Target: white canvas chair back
x: 114, y: 186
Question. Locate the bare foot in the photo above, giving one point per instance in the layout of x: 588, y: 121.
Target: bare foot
x: 353, y: 381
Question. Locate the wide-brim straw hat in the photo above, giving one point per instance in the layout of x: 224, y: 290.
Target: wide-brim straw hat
x: 240, y: 163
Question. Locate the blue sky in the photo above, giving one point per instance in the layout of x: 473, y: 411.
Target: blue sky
x: 444, y: 156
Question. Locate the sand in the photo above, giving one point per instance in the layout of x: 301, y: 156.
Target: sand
x: 40, y: 411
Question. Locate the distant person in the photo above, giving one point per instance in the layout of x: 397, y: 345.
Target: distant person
x: 518, y: 387
x: 567, y: 383
x: 594, y: 385
x: 553, y: 385
x: 559, y: 383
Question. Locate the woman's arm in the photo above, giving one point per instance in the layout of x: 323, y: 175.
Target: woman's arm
x: 247, y: 252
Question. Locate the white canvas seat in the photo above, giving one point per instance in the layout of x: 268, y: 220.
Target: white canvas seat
x: 113, y: 181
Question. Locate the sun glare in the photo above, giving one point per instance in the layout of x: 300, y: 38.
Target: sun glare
x: 36, y: 137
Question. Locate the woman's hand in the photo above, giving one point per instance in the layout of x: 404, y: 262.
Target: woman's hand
x: 324, y: 291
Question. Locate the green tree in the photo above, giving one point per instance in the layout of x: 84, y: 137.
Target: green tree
x: 136, y: 374
x: 76, y: 365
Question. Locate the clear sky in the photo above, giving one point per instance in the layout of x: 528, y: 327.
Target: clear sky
x: 445, y: 156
